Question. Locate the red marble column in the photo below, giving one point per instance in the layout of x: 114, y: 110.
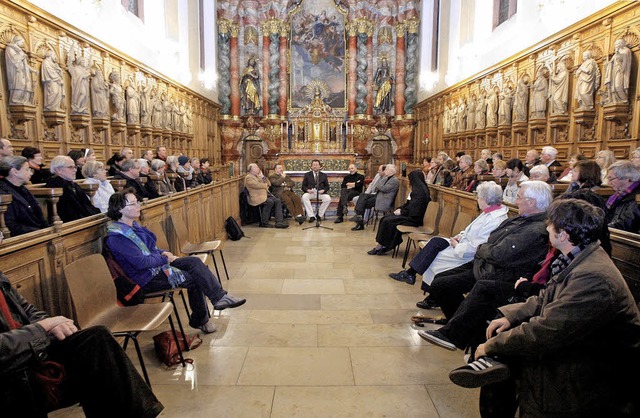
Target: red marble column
x: 234, y: 73
x: 369, y: 111
x: 353, y: 51
x: 400, y: 58
x: 266, y: 42
x: 282, y: 103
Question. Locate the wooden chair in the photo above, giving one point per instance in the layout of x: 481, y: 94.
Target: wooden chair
x: 428, y: 225
x: 93, y: 297
x: 206, y: 247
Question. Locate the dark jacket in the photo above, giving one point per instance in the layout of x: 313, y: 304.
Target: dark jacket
x: 23, y: 214
x: 415, y: 207
x: 513, y: 250
x: 150, y: 187
x: 356, y: 178
x: 140, y: 191
x: 40, y: 175
x: 74, y: 202
x: 309, y: 182
x: 280, y: 184
x: 204, y: 177
x: 625, y: 214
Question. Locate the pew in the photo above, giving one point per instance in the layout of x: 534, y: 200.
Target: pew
x: 48, y: 199
x: 5, y: 201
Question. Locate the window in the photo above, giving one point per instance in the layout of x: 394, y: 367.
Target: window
x: 135, y: 7
x: 503, y: 10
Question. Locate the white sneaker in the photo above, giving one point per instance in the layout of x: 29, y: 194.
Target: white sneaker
x: 208, y: 328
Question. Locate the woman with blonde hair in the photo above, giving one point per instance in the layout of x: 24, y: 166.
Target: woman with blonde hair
x: 604, y: 159
x: 95, y: 173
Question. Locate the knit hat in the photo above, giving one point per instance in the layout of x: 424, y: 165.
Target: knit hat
x: 183, y: 159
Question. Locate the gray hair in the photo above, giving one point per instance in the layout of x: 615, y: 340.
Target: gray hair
x: 391, y: 167
x: 127, y: 164
x: 9, y: 162
x: 482, y: 164
x: 625, y: 170
x: 59, y: 161
x: 490, y: 192
x: 172, y: 160
x: 195, y: 159
x: 540, y: 169
x: 538, y: 190
x: 444, y: 154
x: 550, y: 151
x: 467, y: 159
x: 90, y: 168
x: 156, y: 164
x: 142, y: 162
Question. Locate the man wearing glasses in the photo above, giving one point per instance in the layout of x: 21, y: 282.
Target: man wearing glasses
x: 623, y: 212
x: 74, y: 202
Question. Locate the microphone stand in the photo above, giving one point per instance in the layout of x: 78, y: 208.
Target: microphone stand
x: 317, y: 225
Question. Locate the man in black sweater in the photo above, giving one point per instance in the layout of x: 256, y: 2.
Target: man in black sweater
x: 352, y: 186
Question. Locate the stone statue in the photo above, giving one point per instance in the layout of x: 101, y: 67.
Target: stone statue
x: 189, y: 120
x: 587, y: 80
x: 506, y: 104
x: 52, y: 82
x: 471, y: 113
x: 559, y: 89
x: 156, y: 110
x: 540, y: 94
x: 78, y: 67
x: 384, y: 82
x: 618, y: 73
x: 462, y: 116
x: 99, y: 93
x: 250, y: 88
x: 481, y: 110
x: 174, y: 115
x: 117, y: 97
x: 453, y: 120
x: 166, y: 111
x: 521, y: 101
x: 492, y: 107
x: 145, y: 102
x: 19, y: 72
x: 446, y: 126
x: 133, y: 103
x: 180, y: 114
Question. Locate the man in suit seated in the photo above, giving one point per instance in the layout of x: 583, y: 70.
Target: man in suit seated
x: 315, y: 185
x: 367, y: 199
x: 548, y: 158
x: 23, y: 214
x: 351, y: 186
x: 130, y: 171
x: 282, y: 188
x: 74, y: 202
x: 98, y: 372
x: 258, y: 186
x: 386, y: 190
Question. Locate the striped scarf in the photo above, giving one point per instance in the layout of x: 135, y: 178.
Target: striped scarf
x: 563, y: 260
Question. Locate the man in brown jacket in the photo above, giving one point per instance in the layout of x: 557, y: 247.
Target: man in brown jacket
x: 258, y: 186
x: 282, y: 188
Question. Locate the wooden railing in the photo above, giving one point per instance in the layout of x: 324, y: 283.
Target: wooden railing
x: 34, y: 262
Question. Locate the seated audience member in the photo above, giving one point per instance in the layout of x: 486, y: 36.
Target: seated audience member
x: 567, y: 347
x: 515, y: 172
x: 74, y: 202
x: 23, y: 214
x: 282, y: 188
x: 185, y: 170
x: 180, y: 183
x: 127, y: 152
x: 204, y: 174
x: 426, y: 166
x: 566, y: 176
x: 114, y: 163
x: 548, y: 157
x: 531, y: 159
x: 315, y: 184
x: 604, y: 159
x: 445, y: 176
x: 541, y: 173
x: 130, y: 171
x: 258, y: 186
x: 352, y: 185
x: 164, y: 185
x: 480, y: 168
x: 462, y: 177
x: 94, y: 173
x: 432, y: 170
x: 98, y: 371
x: 161, y: 153
x: 635, y: 158
x: 386, y: 191
x: 367, y: 199
x: 442, y: 254
x: 411, y: 213
x: 151, y: 186
x: 485, y: 155
x: 585, y: 175
x: 79, y: 159
x: 89, y: 155
x: 513, y: 250
x: 134, y: 249
x: 6, y: 148
x: 195, y: 170
x: 459, y: 155
x: 34, y: 158
x: 147, y: 155
x: 496, y: 156
x: 499, y: 169
x: 623, y: 212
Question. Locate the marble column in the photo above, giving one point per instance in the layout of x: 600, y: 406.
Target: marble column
x: 352, y: 64
x: 283, y: 71
x: 224, y: 65
x: 400, y: 67
x: 235, y: 71
x: 370, y: 71
x: 266, y: 42
x: 411, y: 65
x: 364, y: 27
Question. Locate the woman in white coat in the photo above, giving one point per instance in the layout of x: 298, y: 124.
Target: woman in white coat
x: 95, y: 173
x: 441, y: 254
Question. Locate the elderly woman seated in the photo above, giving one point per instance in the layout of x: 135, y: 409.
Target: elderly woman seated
x: 586, y: 174
x: 442, y: 254
x: 541, y: 172
x: 164, y: 185
x: 134, y: 249
x: 95, y: 173
x: 623, y: 212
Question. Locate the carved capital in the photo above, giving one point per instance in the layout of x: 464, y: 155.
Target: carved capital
x: 224, y: 26
x: 412, y: 25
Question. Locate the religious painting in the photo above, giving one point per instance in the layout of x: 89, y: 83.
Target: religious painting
x: 317, y: 54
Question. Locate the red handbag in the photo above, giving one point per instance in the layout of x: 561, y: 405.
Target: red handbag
x: 167, y: 350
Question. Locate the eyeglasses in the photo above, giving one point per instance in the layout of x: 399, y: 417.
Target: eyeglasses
x: 69, y: 166
x: 612, y: 178
x: 136, y: 203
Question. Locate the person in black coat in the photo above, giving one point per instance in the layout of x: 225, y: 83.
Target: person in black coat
x: 34, y: 158
x: 411, y: 213
x: 74, y: 202
x: 23, y: 214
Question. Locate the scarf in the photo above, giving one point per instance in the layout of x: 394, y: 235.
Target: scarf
x: 563, y: 261
x: 618, y: 196
x: 174, y: 275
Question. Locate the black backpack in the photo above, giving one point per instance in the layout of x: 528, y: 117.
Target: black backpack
x: 234, y: 232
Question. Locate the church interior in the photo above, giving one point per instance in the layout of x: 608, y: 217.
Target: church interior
x: 324, y: 331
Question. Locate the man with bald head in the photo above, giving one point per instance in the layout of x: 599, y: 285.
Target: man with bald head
x: 258, y: 186
x: 6, y: 148
x: 351, y: 186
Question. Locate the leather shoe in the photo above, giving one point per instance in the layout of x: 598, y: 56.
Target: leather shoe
x: 356, y: 218
x: 383, y: 251
x: 427, y: 303
x: 403, y: 276
x: 373, y: 251
x: 282, y: 225
x: 358, y: 227
x: 300, y: 219
x: 338, y: 221
x: 266, y: 226
x: 312, y: 219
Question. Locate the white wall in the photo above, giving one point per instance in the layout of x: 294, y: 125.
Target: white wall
x: 149, y: 42
x: 534, y: 21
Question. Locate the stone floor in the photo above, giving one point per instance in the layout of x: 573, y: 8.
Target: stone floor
x: 324, y: 333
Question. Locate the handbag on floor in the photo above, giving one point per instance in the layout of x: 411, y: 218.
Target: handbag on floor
x: 167, y: 350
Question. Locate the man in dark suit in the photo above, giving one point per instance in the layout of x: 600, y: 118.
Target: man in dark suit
x: 74, y: 203
x: 351, y: 186
x: 130, y: 171
x: 548, y: 158
x: 315, y: 185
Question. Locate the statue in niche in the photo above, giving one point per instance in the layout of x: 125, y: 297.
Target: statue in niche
x: 471, y: 112
x: 166, y: 111
x: 250, y: 88
x: 156, y: 109
x: 446, y: 126
x: 78, y: 67
x: 453, y: 119
x: 506, y: 104
x: 618, y: 73
x: 133, y: 102
x: 492, y: 107
x: 189, y: 120
x: 481, y: 110
x: 384, y: 83
x: 587, y: 80
x: 540, y: 94
x: 521, y: 100
x: 19, y: 72
x: 174, y: 115
x: 462, y: 116
x: 99, y: 93
x: 52, y: 82
x: 180, y: 114
x: 117, y: 97
x: 145, y: 102
x: 559, y: 86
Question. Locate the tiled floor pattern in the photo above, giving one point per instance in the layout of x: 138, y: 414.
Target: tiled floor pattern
x: 324, y: 333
